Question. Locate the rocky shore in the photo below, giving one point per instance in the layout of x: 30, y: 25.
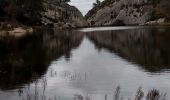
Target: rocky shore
x: 16, y: 21
x: 10, y: 30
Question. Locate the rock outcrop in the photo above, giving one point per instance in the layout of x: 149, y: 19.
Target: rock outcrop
x: 61, y: 15
x: 126, y: 12
x: 51, y: 13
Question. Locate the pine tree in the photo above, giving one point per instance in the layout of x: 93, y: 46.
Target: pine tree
x: 97, y: 3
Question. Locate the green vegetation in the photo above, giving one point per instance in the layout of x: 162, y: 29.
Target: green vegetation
x: 97, y: 3
x: 27, y: 12
x: 165, y: 8
x: 162, y: 9
x: 24, y: 11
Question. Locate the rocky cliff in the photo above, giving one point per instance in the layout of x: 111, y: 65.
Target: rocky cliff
x: 128, y: 12
x: 62, y: 15
x: 56, y: 13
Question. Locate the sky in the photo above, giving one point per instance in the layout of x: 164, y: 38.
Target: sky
x: 83, y: 5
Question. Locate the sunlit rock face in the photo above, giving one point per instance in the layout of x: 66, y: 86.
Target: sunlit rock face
x: 146, y: 47
x: 124, y: 12
x: 62, y: 15
x: 24, y: 60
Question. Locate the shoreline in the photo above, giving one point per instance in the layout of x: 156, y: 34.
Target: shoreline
x: 22, y: 30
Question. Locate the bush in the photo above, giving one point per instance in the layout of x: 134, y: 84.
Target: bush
x: 118, y: 23
x: 29, y: 10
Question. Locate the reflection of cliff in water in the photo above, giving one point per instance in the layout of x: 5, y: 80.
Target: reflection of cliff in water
x: 25, y: 59
x: 148, y: 48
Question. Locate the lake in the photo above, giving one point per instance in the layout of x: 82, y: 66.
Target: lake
x: 85, y: 64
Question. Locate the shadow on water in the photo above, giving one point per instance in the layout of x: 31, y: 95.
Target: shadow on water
x: 24, y: 60
x: 147, y: 47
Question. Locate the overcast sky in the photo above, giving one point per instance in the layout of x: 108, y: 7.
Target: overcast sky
x: 83, y: 5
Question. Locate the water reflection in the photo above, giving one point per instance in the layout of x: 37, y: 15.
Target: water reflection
x: 23, y: 60
x: 68, y: 65
x: 147, y: 47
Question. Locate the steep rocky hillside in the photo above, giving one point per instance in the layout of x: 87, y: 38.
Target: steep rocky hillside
x: 57, y: 13
x: 129, y: 12
x: 62, y: 15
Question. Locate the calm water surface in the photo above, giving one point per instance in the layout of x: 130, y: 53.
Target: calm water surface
x: 85, y: 64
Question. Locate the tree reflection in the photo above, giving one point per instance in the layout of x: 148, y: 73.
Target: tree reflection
x: 147, y: 47
x: 23, y: 60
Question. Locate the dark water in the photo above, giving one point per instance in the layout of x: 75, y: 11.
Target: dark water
x: 86, y: 64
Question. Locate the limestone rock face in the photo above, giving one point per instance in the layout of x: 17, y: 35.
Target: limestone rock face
x: 61, y: 15
x: 121, y: 12
x: 156, y: 22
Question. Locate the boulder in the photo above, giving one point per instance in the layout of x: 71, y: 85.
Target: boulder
x: 20, y: 31
x: 156, y: 22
